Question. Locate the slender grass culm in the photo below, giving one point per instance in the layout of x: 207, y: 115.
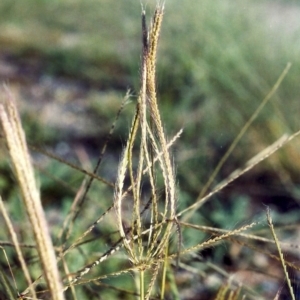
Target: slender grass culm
x: 19, y: 155
x: 146, y: 241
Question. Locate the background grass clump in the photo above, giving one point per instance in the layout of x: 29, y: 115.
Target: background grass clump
x: 69, y: 63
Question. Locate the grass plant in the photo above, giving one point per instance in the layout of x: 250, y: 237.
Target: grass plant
x: 129, y: 239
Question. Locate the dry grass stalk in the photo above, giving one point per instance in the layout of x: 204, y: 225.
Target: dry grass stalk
x: 19, y: 154
x: 153, y: 143
x: 244, y: 129
x: 17, y: 247
x: 6, y: 287
x: 239, y: 172
x: 282, y: 260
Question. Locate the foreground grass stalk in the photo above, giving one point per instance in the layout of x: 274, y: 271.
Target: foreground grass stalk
x: 282, y: 260
x: 19, y: 154
x: 164, y: 275
x: 142, y: 284
x: 6, y: 287
x: 17, y: 247
x: 147, y: 123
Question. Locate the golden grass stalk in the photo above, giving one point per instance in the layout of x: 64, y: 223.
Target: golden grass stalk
x: 6, y: 287
x: 239, y: 172
x: 17, y: 247
x: 153, y: 143
x: 244, y: 129
x: 19, y: 155
x: 282, y: 260
x: 236, y: 141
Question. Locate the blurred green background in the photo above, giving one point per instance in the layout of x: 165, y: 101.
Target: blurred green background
x: 70, y: 62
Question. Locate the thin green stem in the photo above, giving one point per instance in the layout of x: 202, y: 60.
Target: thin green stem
x: 142, y: 284
x: 164, y: 274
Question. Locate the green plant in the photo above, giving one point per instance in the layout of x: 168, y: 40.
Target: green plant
x: 148, y: 241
